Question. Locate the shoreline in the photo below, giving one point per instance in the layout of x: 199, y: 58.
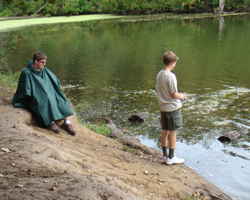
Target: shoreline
x: 37, y: 163
x: 12, y: 23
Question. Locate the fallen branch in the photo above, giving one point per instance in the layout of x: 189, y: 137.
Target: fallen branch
x: 39, y: 10
x: 239, y: 9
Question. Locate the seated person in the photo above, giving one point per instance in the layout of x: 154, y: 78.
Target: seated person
x: 39, y: 91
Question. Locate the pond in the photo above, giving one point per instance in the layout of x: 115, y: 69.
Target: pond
x: 108, y: 68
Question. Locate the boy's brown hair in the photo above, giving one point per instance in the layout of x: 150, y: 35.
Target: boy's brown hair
x: 169, y: 57
x: 39, y: 56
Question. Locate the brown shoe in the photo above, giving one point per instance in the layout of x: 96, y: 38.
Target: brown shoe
x: 53, y: 127
x: 69, y: 128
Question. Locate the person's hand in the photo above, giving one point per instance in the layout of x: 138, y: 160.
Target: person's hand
x: 178, y: 96
x: 182, y: 97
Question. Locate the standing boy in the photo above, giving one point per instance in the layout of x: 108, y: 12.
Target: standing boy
x: 170, y: 103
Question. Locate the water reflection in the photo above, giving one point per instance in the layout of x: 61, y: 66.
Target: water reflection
x: 221, y: 26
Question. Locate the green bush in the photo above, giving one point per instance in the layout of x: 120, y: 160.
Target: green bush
x: 184, y: 5
x: 7, y: 12
x: 51, y: 9
x: 128, y: 7
x: 233, y: 4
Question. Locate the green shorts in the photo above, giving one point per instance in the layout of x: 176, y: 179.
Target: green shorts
x: 171, y: 120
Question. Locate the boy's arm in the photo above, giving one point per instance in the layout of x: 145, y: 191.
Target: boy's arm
x: 177, y: 95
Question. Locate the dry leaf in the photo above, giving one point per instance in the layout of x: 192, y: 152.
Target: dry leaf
x: 53, y: 188
x: 6, y: 150
x: 146, y: 172
x: 20, y: 186
x: 57, y: 183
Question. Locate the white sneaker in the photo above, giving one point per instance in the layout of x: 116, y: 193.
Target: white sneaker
x: 174, y: 160
x: 164, y: 160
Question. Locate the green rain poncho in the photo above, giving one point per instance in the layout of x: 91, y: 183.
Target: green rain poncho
x: 39, y: 92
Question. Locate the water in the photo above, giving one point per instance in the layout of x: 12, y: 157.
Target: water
x: 108, y: 68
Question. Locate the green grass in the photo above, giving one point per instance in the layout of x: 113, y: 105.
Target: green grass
x: 127, y: 148
x: 99, y: 129
x: 193, y: 197
x: 9, y: 81
x: 102, y: 130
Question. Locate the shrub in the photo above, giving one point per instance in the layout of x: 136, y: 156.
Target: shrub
x: 131, y: 7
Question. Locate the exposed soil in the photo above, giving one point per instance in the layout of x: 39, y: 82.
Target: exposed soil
x: 38, y: 164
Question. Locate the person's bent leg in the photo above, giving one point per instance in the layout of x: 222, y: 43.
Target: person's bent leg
x: 67, y: 126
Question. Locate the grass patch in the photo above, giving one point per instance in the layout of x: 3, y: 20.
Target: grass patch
x: 9, y: 81
x: 197, y: 196
x: 99, y: 129
x: 127, y: 148
x: 102, y: 130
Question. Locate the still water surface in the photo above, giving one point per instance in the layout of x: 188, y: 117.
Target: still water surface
x: 109, y: 69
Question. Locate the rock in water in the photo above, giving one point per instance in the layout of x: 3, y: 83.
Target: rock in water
x: 141, y: 117
x: 229, y: 136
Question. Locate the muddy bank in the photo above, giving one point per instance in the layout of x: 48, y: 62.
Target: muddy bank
x: 38, y: 164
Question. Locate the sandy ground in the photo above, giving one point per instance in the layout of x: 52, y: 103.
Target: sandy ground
x: 38, y: 164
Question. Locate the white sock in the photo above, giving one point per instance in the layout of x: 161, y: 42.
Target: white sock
x: 67, y: 122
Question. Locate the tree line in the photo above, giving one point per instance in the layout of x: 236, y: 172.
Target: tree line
x: 123, y: 7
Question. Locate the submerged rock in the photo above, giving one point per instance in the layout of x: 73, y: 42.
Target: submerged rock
x: 141, y: 117
x: 229, y: 136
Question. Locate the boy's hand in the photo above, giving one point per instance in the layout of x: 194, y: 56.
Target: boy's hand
x: 182, y: 97
x: 178, y: 96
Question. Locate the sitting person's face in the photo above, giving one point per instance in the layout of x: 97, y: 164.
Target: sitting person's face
x: 38, y: 65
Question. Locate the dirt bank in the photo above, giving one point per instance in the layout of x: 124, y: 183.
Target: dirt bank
x: 38, y: 164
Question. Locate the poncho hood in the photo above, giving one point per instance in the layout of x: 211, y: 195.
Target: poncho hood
x: 30, y: 66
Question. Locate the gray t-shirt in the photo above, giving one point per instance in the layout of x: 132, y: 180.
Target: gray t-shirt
x: 166, y: 84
